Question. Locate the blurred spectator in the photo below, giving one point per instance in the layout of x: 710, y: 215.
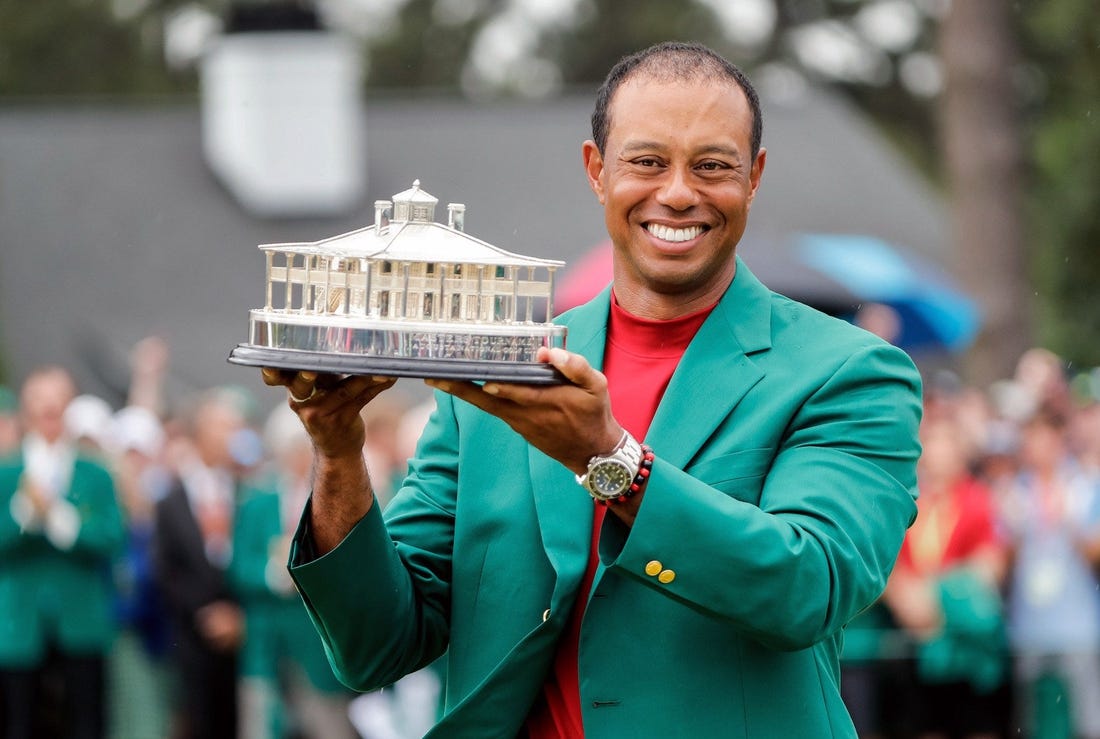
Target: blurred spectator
x: 60, y: 525
x: 1052, y: 516
x: 881, y: 320
x: 996, y: 463
x: 192, y: 551
x: 9, y: 422
x: 944, y: 592
x: 287, y: 686
x: 1042, y: 375
x: 148, y: 365
x: 386, y: 459
x: 139, y: 673
x: 1085, y: 435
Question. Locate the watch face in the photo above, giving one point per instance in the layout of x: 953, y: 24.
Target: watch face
x: 610, y: 479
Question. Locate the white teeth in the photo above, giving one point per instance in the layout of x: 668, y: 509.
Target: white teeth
x: 666, y: 233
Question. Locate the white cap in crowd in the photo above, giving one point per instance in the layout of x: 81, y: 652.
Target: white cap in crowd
x: 283, y: 431
x: 89, y: 417
x: 137, y: 429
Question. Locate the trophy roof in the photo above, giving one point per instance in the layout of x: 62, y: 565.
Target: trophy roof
x: 411, y: 237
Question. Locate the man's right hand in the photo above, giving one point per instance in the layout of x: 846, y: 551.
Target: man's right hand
x: 329, y: 407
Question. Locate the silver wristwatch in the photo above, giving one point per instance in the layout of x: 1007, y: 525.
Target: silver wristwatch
x: 610, y: 475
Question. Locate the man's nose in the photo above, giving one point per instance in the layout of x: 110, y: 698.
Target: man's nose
x: 676, y: 191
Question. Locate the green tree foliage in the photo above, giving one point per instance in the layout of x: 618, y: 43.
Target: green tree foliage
x: 1063, y: 42
x: 421, y: 52
x: 587, y: 52
x: 78, y: 48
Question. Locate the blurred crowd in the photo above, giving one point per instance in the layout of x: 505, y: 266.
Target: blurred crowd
x: 144, y: 590
x: 143, y: 584
x: 990, y: 622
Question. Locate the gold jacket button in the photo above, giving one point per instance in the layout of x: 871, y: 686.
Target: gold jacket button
x: 545, y: 615
x: 653, y: 568
x: 666, y: 576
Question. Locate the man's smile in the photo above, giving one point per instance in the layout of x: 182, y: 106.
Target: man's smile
x: 674, y: 235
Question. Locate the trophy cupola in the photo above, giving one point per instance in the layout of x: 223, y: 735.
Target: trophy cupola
x: 414, y: 205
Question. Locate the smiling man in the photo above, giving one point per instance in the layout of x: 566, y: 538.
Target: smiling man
x: 672, y: 543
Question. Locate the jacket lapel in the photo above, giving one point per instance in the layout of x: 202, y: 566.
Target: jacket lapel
x: 714, y: 374
x: 564, y: 511
x: 716, y: 370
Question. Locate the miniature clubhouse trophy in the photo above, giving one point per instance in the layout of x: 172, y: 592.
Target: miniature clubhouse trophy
x: 406, y: 297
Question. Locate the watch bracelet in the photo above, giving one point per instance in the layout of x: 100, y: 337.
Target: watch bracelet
x: 639, y: 480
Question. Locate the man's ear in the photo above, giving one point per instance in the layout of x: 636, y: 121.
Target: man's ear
x: 757, y: 172
x: 593, y: 167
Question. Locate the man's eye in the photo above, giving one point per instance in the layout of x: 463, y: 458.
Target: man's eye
x: 647, y: 162
x: 711, y: 166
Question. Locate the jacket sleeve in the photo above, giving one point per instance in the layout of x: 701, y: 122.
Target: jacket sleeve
x: 381, y: 599
x: 834, y: 506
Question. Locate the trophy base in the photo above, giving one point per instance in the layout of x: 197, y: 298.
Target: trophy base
x: 524, y: 373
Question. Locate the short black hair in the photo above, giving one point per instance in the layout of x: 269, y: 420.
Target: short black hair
x: 673, y: 60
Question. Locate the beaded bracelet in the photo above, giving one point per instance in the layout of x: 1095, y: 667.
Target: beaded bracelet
x: 640, y: 479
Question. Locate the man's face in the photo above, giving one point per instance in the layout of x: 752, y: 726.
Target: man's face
x: 676, y: 180
x: 44, y: 399
x: 215, y: 425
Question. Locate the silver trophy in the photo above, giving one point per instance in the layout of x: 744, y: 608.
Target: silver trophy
x: 405, y: 297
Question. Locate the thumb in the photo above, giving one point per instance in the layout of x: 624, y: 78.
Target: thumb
x: 574, y: 367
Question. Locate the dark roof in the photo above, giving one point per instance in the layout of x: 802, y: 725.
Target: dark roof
x: 112, y: 228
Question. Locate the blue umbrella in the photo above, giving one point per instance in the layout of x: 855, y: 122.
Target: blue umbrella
x: 934, y: 313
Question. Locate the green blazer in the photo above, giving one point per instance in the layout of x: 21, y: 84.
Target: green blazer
x: 785, y: 479
x: 49, y: 596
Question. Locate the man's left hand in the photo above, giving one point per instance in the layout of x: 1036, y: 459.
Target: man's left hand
x: 570, y: 422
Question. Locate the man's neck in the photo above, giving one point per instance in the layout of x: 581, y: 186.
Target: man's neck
x: 644, y: 303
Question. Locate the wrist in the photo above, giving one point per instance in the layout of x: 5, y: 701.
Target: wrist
x: 619, y: 474
x: 340, y: 461
x: 638, y: 485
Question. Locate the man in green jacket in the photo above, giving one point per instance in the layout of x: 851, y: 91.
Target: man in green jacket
x: 60, y: 527
x: 580, y: 581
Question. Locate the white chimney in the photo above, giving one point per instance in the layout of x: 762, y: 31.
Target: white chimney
x: 282, y: 121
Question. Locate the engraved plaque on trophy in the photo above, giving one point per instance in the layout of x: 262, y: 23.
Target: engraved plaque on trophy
x: 405, y: 297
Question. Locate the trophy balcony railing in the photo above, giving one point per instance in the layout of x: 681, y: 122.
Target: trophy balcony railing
x: 333, y: 286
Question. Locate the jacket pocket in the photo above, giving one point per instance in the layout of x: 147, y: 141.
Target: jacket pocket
x: 739, y: 473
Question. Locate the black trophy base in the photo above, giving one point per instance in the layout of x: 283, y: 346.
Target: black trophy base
x: 524, y: 373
